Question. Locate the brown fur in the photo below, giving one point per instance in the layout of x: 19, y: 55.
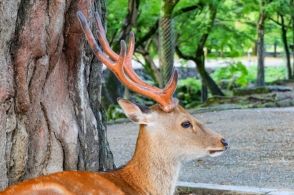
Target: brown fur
x: 162, y: 146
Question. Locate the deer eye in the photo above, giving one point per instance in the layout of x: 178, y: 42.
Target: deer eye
x: 186, y: 124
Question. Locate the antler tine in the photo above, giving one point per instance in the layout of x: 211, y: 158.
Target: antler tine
x: 119, y: 72
x: 122, y: 55
x: 102, y: 39
x: 128, y: 65
x: 92, y: 42
x: 169, y: 90
x: 163, y: 97
x: 129, y: 69
x: 123, y: 63
x: 131, y: 45
x: 99, y: 24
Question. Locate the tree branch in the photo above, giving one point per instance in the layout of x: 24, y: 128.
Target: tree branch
x: 182, y: 55
x: 131, y: 18
x: 202, y: 40
x: 154, y: 27
x: 187, y: 9
x: 278, y: 23
x: 149, y: 34
x: 252, y: 24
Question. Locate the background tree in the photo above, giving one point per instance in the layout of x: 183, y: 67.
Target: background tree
x: 281, y: 16
x: 292, y: 20
x: 196, y: 53
x: 50, y: 113
x: 234, y: 30
x: 260, y: 43
x: 286, y: 46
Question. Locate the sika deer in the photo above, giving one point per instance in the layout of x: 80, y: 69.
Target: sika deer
x: 168, y: 136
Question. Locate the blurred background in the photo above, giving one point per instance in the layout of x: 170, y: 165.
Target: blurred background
x: 226, y: 52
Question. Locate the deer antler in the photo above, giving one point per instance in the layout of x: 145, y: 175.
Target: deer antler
x: 121, y: 66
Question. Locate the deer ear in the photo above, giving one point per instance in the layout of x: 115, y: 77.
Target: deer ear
x: 133, y: 111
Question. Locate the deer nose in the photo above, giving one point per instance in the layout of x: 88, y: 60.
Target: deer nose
x: 225, y: 143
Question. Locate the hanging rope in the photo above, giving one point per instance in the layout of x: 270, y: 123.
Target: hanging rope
x: 166, y: 45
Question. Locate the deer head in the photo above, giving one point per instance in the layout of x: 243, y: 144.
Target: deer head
x: 177, y: 133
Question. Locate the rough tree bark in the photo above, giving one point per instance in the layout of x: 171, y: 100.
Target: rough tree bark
x: 260, y: 46
x: 50, y: 118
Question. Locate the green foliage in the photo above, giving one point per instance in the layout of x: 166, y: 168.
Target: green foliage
x: 116, y: 12
x: 190, y: 28
x: 238, y: 75
x: 233, y: 34
x: 272, y: 73
x: 233, y: 75
x: 275, y: 73
x: 188, y: 92
x: 114, y: 112
x: 252, y: 72
x: 279, y: 6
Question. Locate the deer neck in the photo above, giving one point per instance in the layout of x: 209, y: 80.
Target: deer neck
x: 152, y: 169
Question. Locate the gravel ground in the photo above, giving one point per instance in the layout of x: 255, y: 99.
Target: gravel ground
x: 261, y: 150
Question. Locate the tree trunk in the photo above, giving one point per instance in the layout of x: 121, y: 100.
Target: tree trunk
x: 199, y: 58
x: 292, y: 17
x: 260, y: 47
x: 286, y: 47
x: 293, y: 46
x: 204, y: 92
x: 275, y: 49
x: 207, y: 81
x: 49, y: 119
x: 254, y: 48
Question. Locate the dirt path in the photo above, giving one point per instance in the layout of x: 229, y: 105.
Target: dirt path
x: 261, y: 152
